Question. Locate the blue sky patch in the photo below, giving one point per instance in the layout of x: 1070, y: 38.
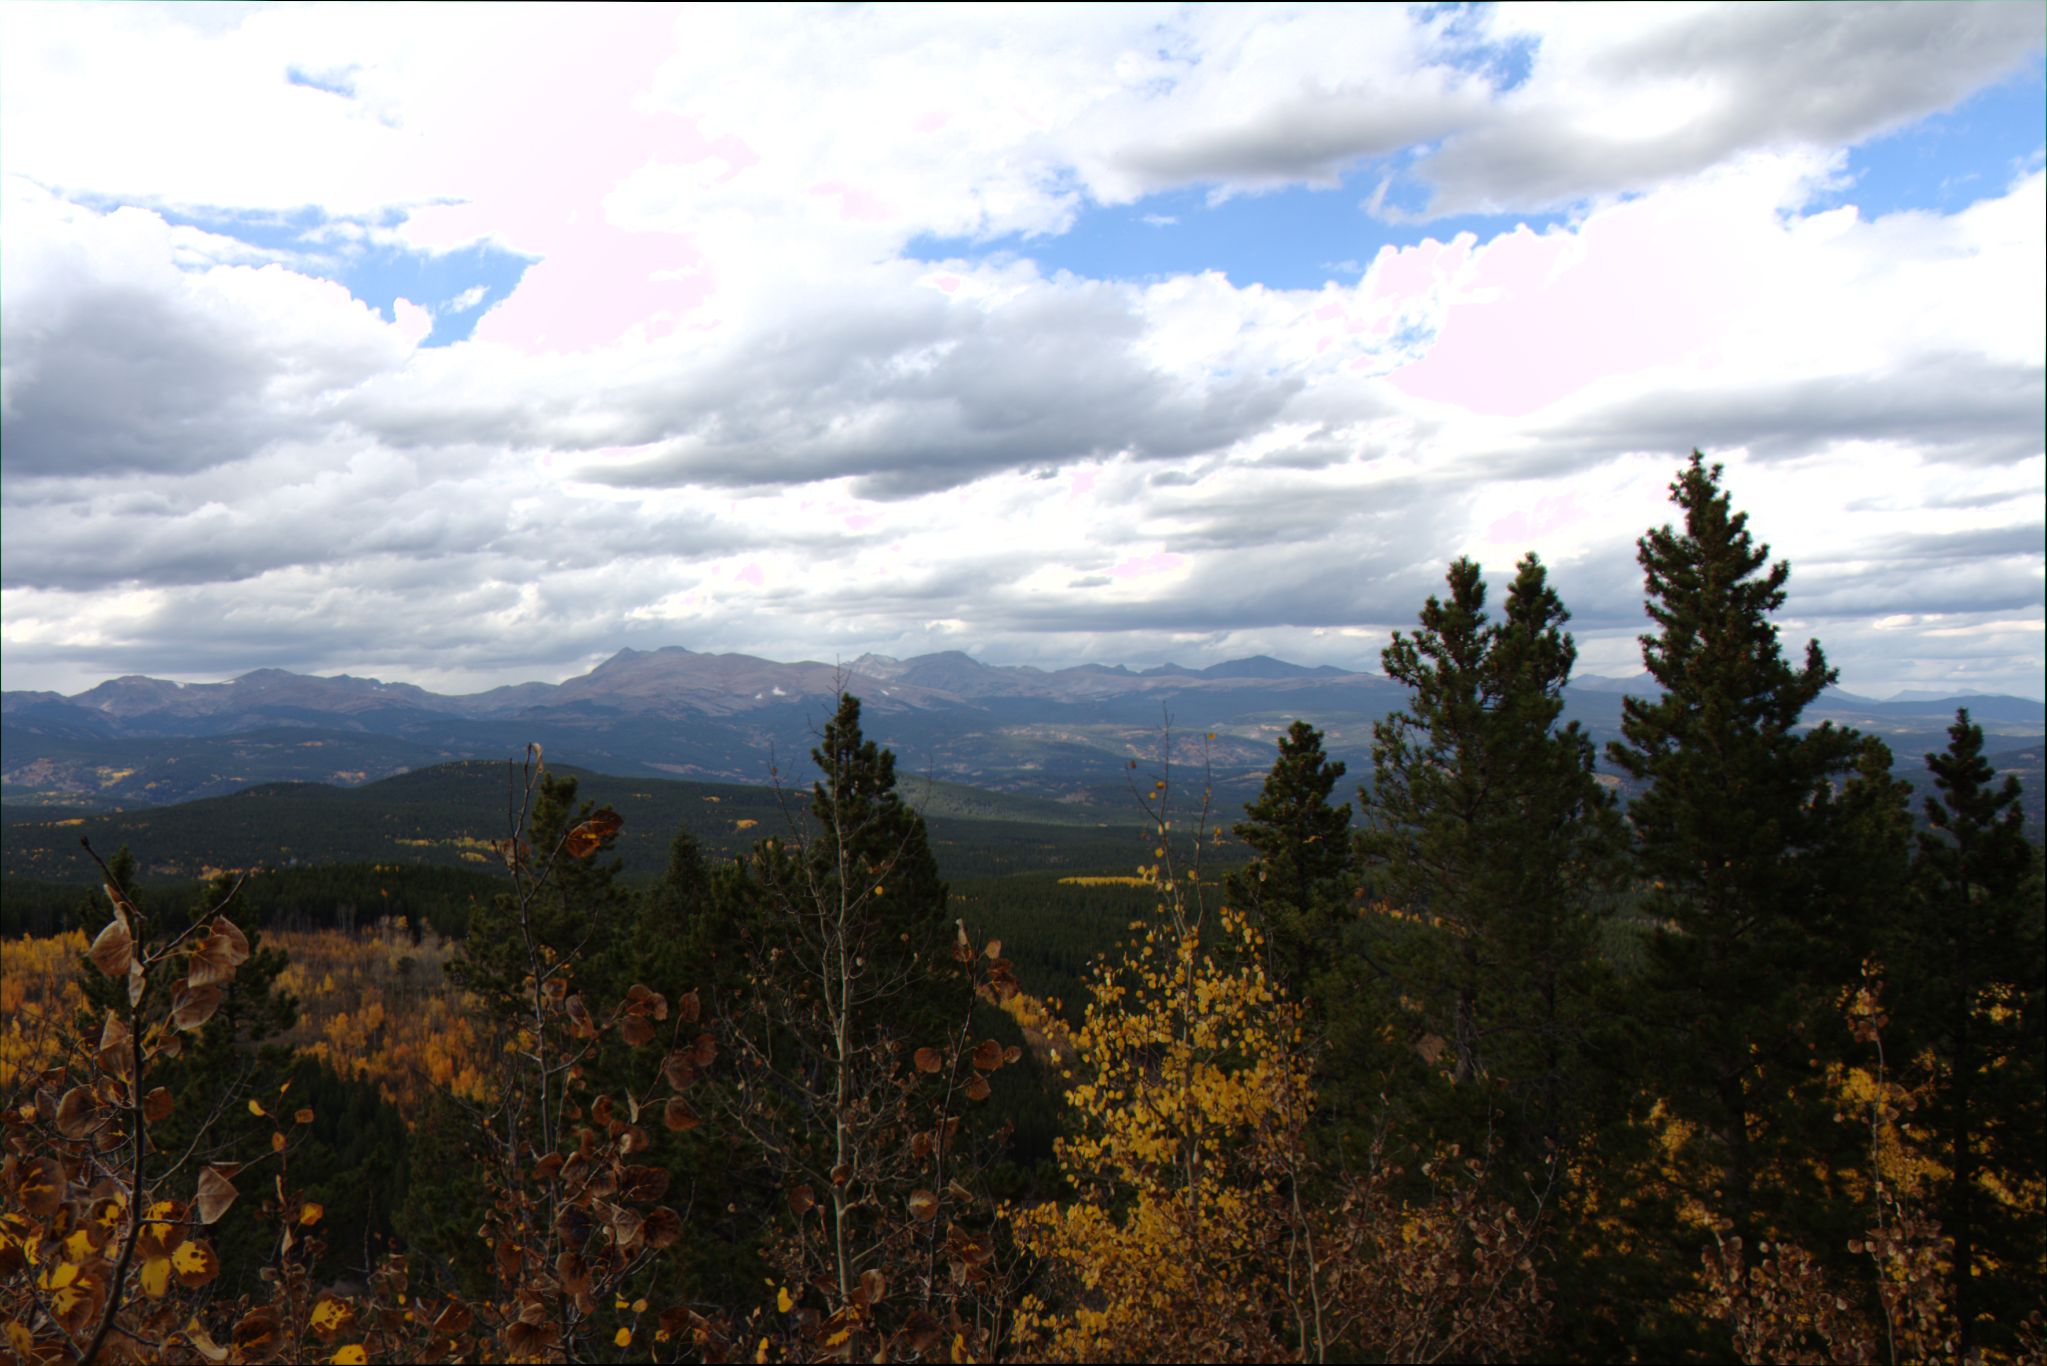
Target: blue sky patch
x: 1947, y: 162
x: 457, y: 287
x: 337, y: 82
x: 1462, y: 44
x: 1293, y: 238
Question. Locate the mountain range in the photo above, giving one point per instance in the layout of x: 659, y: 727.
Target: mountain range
x: 1069, y: 733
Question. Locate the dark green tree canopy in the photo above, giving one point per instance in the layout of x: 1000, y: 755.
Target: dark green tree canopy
x: 865, y: 878
x: 1299, y: 885
x: 1741, y: 836
x: 1488, y: 832
x: 1969, y: 973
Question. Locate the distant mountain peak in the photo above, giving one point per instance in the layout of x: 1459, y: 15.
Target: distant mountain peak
x: 1266, y: 667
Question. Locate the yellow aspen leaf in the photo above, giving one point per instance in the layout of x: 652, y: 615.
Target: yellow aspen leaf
x: 195, y: 1263
x: 782, y: 1300
x: 330, y: 1316
x: 622, y: 1338
x: 256, y: 1109
x: 639, y: 1306
x: 310, y: 1212
x: 156, y: 1277
x: 355, y: 1354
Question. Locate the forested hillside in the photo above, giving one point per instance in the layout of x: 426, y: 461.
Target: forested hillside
x: 1463, y: 1057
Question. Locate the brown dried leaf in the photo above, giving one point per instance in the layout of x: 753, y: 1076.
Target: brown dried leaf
x: 256, y: 1334
x: 662, y: 1229
x: 587, y: 838
x: 987, y: 1055
x: 113, y: 949
x: 455, y: 1317
x: 193, y: 1006
x: 237, y: 942
x: 116, y: 1052
x: 644, y: 1184
x: 636, y: 1030
x: 687, y: 1006
x: 929, y: 1060
x: 216, y: 1193
x: 156, y: 1104
x: 201, y: 1342
x: 677, y: 1115
x: 77, y: 1112
x: 976, y: 1087
x: 41, y: 1187
x: 923, y: 1205
x: 218, y: 955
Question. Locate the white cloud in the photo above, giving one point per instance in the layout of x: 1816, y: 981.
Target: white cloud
x: 723, y: 409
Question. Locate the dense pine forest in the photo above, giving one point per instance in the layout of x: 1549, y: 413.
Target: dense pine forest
x: 1490, y: 1066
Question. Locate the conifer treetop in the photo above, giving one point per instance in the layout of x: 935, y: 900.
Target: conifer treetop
x: 1710, y: 591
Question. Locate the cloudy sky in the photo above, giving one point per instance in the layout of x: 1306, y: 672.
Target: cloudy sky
x: 465, y: 346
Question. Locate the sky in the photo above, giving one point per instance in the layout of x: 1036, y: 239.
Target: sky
x: 468, y: 345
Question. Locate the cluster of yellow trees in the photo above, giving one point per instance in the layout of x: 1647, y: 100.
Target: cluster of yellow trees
x: 380, y: 1007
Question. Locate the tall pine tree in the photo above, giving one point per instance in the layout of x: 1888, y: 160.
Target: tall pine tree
x: 1967, y: 988
x: 1488, y: 833
x: 1298, y: 887
x: 1737, y: 838
x: 867, y: 884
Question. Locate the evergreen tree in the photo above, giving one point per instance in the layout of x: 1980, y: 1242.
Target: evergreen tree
x: 868, y: 858
x: 1968, y: 988
x: 1488, y: 833
x: 573, y: 906
x: 1298, y: 887
x: 1738, y: 837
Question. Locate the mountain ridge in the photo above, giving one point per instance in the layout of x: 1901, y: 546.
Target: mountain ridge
x: 1069, y: 734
